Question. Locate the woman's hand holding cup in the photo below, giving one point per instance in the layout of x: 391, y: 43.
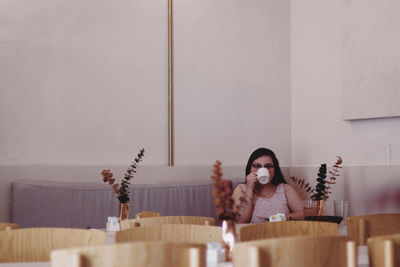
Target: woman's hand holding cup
x: 251, y: 180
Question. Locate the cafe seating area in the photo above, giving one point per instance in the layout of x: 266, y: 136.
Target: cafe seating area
x: 208, y: 133
x: 208, y: 236
x: 188, y: 223
x: 185, y: 242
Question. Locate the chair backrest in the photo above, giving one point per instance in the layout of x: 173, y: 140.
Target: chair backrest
x: 35, y: 244
x: 384, y: 251
x: 186, y: 233
x: 145, y: 214
x: 287, y: 228
x: 134, y: 254
x: 127, y: 224
x: 305, y: 251
x: 8, y: 226
x: 362, y: 227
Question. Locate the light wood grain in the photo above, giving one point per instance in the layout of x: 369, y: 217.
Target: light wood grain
x: 384, y: 251
x: 306, y: 251
x: 146, y: 214
x: 127, y: 224
x: 35, y: 244
x: 186, y: 233
x: 362, y: 227
x: 8, y: 226
x: 287, y: 228
x: 134, y: 254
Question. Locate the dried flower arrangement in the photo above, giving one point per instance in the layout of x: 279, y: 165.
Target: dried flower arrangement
x: 121, y: 190
x: 323, y: 187
x: 222, y: 191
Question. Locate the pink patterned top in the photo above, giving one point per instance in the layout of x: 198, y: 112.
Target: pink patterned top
x: 265, y: 207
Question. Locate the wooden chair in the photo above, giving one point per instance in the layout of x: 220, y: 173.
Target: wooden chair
x: 186, y: 233
x: 384, y: 251
x: 145, y: 214
x: 362, y: 227
x: 134, y: 254
x: 305, y: 251
x: 8, y: 226
x: 127, y: 224
x: 287, y: 228
x: 35, y: 244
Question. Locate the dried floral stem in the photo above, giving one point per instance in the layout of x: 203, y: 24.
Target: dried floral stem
x: 323, y: 187
x: 301, y: 182
x: 334, y: 173
x: 121, y: 190
x: 222, y: 191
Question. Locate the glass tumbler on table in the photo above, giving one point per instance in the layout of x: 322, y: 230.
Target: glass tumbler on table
x: 341, y: 208
x: 310, y: 207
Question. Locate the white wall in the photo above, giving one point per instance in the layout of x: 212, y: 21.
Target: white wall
x: 318, y: 133
x: 371, y: 59
x: 81, y: 80
x: 232, y: 82
x: 84, y: 87
x: 370, y: 148
x: 86, y: 82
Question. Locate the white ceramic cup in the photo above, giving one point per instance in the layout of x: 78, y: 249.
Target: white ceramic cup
x: 262, y: 175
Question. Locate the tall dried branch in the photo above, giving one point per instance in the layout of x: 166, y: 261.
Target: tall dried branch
x: 122, y: 190
x: 323, y: 188
x: 332, y: 179
x: 222, y: 191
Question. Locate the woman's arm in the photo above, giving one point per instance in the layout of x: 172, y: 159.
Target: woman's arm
x: 295, y: 202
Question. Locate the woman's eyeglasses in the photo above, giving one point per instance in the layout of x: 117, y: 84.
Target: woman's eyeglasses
x: 258, y: 165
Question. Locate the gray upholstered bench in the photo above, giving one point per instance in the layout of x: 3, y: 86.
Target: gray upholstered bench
x: 56, y: 204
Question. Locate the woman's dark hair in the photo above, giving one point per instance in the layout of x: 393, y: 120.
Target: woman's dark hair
x: 278, y: 177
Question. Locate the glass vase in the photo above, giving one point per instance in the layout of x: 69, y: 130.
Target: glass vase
x: 322, y: 207
x: 123, y: 211
x: 314, y: 207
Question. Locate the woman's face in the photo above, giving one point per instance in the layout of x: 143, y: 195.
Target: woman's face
x: 263, y: 161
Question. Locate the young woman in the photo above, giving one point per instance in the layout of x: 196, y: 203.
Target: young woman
x: 256, y: 201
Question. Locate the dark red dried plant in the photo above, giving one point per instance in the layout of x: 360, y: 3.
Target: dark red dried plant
x: 222, y: 191
x: 121, y: 190
x: 301, y: 183
x: 323, y: 187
